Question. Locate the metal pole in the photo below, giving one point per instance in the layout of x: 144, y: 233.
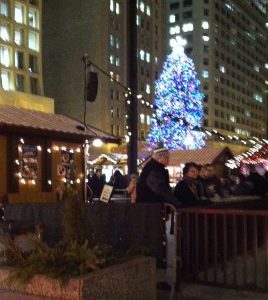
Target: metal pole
x: 132, y: 83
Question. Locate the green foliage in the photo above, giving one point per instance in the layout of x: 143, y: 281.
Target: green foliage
x: 75, y: 255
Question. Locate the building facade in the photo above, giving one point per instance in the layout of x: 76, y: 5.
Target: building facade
x: 227, y: 40
x: 98, y: 28
x: 21, y: 56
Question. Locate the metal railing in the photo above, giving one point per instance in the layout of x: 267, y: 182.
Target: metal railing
x: 223, y: 247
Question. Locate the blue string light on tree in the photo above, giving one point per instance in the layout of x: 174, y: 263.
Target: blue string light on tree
x: 178, y: 105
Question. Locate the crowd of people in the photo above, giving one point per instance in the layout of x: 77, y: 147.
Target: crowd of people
x: 199, y: 183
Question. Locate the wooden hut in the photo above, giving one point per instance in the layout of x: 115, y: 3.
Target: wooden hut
x: 39, y: 151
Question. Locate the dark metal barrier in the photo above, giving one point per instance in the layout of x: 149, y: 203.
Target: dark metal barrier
x: 223, y: 247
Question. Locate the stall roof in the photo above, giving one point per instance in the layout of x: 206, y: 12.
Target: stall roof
x: 207, y: 155
x: 32, y: 121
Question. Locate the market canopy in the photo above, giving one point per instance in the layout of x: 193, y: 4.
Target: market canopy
x: 206, y: 155
x: 31, y: 121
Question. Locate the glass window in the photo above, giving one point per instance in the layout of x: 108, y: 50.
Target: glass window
x: 19, y: 13
x: 205, y: 25
x: 148, y: 120
x: 187, y: 27
x: 33, y: 63
x: 111, y: 5
x: 33, y: 2
x: 19, y: 60
x: 148, y: 57
x: 172, y: 19
x: 111, y: 40
x: 142, y: 6
x: 18, y: 39
x: 20, y: 82
x: 148, y: 88
x: 5, y: 80
x: 117, y: 42
x: 33, y: 41
x: 4, y: 32
x: 148, y: 10
x: 117, y: 8
x: 117, y: 61
x: 142, y: 118
x: 3, y: 8
x: 205, y: 73
x: 4, y: 56
x: 142, y: 54
x: 32, y: 17
x: 33, y: 85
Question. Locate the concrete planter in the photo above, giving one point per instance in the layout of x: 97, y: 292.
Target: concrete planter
x: 133, y: 280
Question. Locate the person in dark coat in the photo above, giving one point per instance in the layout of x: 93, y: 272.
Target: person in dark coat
x: 257, y: 181
x: 189, y: 191
x: 153, y: 184
x: 96, y: 183
x: 213, y: 182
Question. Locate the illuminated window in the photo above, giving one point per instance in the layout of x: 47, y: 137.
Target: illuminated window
x: 5, y: 80
x: 18, y: 37
x: 138, y: 20
x: 148, y: 10
x: 4, y: 56
x: 148, y: 57
x: 187, y: 27
x: 148, y: 88
x: 172, y: 18
x: 117, y: 61
x: 111, y: 5
x: 19, y: 60
x: 142, y: 54
x: 33, y: 41
x: 256, y: 68
x: 111, y: 59
x: 4, y: 32
x: 142, y: 6
x: 142, y: 118
x: 117, y: 8
x: 3, y: 8
x: 117, y: 42
x: 148, y: 120
x: 19, y: 13
x: 111, y: 40
x: 32, y: 17
x: 258, y: 97
x: 174, y: 30
x: 205, y: 37
x: 205, y: 25
x: 222, y: 69
x: 205, y: 73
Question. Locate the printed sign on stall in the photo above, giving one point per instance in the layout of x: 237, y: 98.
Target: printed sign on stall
x: 29, y: 162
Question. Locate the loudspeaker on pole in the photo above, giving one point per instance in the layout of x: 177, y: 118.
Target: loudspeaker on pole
x: 92, y: 86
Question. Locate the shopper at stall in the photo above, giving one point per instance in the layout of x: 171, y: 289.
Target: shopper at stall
x: 96, y: 183
x: 153, y: 185
x: 189, y: 191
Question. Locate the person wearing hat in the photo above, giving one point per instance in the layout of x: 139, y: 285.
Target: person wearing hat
x: 153, y: 185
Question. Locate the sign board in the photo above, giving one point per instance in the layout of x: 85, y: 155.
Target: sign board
x: 106, y: 193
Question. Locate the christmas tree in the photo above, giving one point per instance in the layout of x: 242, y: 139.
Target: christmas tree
x: 178, y: 107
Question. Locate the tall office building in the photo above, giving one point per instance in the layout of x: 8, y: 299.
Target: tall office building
x: 20, y: 55
x: 227, y: 40
x: 98, y: 28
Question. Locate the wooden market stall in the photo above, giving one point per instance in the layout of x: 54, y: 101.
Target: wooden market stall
x: 39, y: 152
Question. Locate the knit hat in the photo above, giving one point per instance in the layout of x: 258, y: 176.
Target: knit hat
x: 159, y: 150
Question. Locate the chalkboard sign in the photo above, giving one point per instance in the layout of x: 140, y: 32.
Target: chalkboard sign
x: 106, y: 193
